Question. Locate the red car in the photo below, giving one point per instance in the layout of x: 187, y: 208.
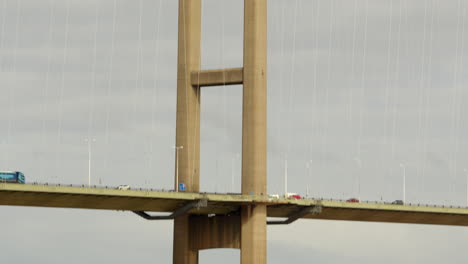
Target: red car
x: 352, y: 200
x: 295, y: 196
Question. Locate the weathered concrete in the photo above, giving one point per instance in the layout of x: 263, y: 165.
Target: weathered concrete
x: 188, y: 96
x: 254, y: 153
x: 254, y: 116
x: 254, y: 132
x: 188, y: 122
x: 183, y: 252
x: 232, y: 76
x: 254, y: 234
x: 215, y: 232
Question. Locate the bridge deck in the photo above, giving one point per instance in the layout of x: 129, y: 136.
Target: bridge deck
x: 159, y: 201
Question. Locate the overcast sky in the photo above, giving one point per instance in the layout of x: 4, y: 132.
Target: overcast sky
x: 358, y: 91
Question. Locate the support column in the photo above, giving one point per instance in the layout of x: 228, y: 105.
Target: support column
x: 188, y: 122
x: 254, y: 136
x: 183, y: 252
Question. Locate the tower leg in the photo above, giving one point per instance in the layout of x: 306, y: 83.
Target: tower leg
x: 254, y: 136
x: 183, y: 253
x: 188, y: 122
x: 253, y: 236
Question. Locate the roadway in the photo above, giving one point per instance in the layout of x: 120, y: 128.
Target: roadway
x: 170, y: 202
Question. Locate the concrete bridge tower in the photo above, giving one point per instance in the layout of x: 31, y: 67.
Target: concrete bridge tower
x: 245, y: 230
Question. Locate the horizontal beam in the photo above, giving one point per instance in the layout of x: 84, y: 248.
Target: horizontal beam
x: 221, y: 77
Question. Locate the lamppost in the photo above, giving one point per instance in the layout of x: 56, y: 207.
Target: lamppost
x: 285, y: 178
x: 309, y: 168
x: 177, y: 167
x: 466, y: 173
x: 359, y: 164
x: 232, y: 174
x: 89, y: 140
x: 404, y: 181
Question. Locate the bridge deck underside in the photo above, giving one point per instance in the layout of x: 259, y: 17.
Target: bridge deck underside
x: 391, y: 214
x: 168, y: 202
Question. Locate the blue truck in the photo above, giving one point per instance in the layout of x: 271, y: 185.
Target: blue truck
x: 12, y: 177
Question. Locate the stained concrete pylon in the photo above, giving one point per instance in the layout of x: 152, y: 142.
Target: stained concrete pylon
x: 247, y: 229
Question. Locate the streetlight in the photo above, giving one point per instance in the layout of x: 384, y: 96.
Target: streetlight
x: 89, y: 140
x: 359, y: 164
x: 309, y: 168
x: 285, y: 178
x: 466, y: 173
x: 404, y: 181
x: 232, y: 174
x: 177, y: 167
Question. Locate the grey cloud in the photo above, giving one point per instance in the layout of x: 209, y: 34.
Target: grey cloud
x: 330, y: 106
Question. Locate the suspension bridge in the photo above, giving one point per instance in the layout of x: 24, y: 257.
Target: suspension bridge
x: 223, y: 220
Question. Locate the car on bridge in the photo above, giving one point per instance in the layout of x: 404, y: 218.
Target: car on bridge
x: 352, y: 200
x: 399, y: 202
x: 123, y: 187
x: 274, y: 196
x: 12, y: 177
x: 293, y: 196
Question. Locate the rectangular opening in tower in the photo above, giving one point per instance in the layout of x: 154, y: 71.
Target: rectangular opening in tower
x: 221, y: 139
x: 225, y: 256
